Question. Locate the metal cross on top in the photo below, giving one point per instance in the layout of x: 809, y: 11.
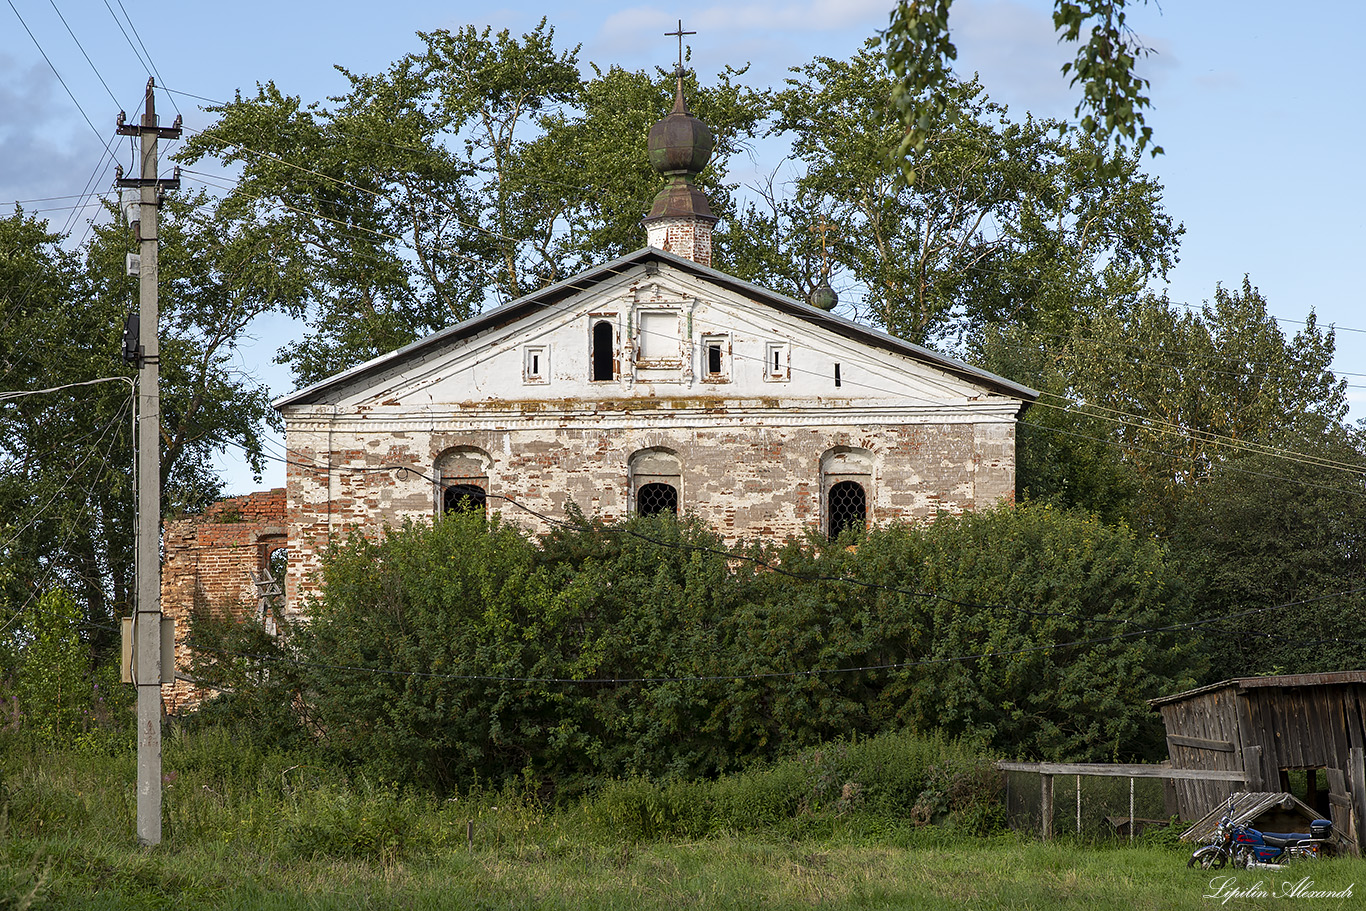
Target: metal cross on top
x: 679, y: 34
x: 822, y: 228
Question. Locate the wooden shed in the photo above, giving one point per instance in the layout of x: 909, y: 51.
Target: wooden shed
x: 1270, y: 727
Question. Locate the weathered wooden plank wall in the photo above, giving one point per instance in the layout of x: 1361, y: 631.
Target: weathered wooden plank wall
x: 1208, y: 716
x: 1266, y: 726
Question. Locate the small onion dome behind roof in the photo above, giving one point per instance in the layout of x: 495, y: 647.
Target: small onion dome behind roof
x: 680, y: 146
x: 823, y: 296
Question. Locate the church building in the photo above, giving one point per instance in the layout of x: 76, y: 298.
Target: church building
x: 652, y: 383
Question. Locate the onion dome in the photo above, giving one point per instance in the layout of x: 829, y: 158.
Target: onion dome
x: 680, y: 143
x: 680, y: 146
x: 823, y: 296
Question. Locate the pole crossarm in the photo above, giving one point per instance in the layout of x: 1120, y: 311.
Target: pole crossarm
x: 160, y: 183
x: 171, y: 132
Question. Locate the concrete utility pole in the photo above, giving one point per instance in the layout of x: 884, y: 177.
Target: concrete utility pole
x: 147, y: 619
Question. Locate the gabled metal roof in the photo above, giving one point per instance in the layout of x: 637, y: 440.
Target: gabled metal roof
x: 551, y: 294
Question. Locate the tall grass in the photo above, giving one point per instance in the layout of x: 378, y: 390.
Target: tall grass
x: 882, y: 823
x: 890, y: 782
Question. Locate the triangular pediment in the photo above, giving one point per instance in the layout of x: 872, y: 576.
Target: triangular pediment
x: 677, y: 332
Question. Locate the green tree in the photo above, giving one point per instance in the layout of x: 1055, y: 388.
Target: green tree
x: 1072, y: 619
x: 919, y: 51
x: 1008, y: 223
x: 1182, y: 389
x: 1066, y: 454
x: 1274, y: 541
x: 463, y: 649
x: 420, y: 649
x: 52, y: 683
x: 472, y: 172
x: 592, y: 156
x: 66, y: 487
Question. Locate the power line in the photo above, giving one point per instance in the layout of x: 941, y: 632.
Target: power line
x: 81, y: 47
x: 1140, y: 422
x: 8, y: 396
x: 136, y: 53
x: 150, y: 65
x: 1227, y: 466
x: 119, y: 418
x: 54, y: 71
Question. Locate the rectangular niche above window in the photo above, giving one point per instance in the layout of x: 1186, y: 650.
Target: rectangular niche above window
x: 659, y: 345
x: 659, y: 339
x: 535, y: 364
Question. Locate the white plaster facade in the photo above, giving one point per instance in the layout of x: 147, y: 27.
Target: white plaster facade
x: 751, y: 405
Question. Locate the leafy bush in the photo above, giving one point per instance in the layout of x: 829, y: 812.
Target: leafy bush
x: 54, y: 694
x: 464, y: 651
x: 376, y: 823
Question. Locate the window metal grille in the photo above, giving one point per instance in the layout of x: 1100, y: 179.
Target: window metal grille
x: 464, y: 498
x: 652, y: 499
x: 847, y: 507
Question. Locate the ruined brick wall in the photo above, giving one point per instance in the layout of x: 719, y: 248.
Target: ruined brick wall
x: 207, y: 562
x: 747, y: 478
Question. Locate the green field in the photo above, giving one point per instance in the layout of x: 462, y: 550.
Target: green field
x: 252, y: 829
x: 551, y: 868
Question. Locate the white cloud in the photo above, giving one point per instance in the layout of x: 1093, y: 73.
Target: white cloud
x: 42, y: 147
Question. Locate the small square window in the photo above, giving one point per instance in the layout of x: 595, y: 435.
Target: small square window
x: 536, y: 364
x: 777, y: 362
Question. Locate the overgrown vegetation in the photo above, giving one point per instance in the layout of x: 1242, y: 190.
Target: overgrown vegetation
x: 1011, y: 249
x: 573, y: 701
x: 839, y: 826
x: 468, y: 651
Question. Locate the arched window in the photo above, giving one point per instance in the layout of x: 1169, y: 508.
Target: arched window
x: 847, y: 507
x: 846, y: 489
x: 604, y: 352
x: 656, y: 481
x: 462, y: 475
x: 656, y: 497
x: 464, y: 498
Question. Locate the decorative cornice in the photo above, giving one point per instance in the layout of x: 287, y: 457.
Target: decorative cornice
x: 748, y: 418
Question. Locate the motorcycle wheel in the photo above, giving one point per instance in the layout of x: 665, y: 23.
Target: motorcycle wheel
x: 1210, y: 857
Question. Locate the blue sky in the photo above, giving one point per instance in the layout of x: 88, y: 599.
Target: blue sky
x: 1254, y: 104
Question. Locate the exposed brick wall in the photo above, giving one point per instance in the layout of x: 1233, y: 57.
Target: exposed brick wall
x: 689, y: 238
x: 745, y: 481
x: 207, y: 564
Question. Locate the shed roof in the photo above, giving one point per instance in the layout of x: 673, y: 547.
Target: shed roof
x: 1327, y: 678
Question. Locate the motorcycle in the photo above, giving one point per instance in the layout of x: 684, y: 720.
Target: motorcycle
x: 1244, y: 846
x: 1255, y: 849
x: 1220, y: 849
